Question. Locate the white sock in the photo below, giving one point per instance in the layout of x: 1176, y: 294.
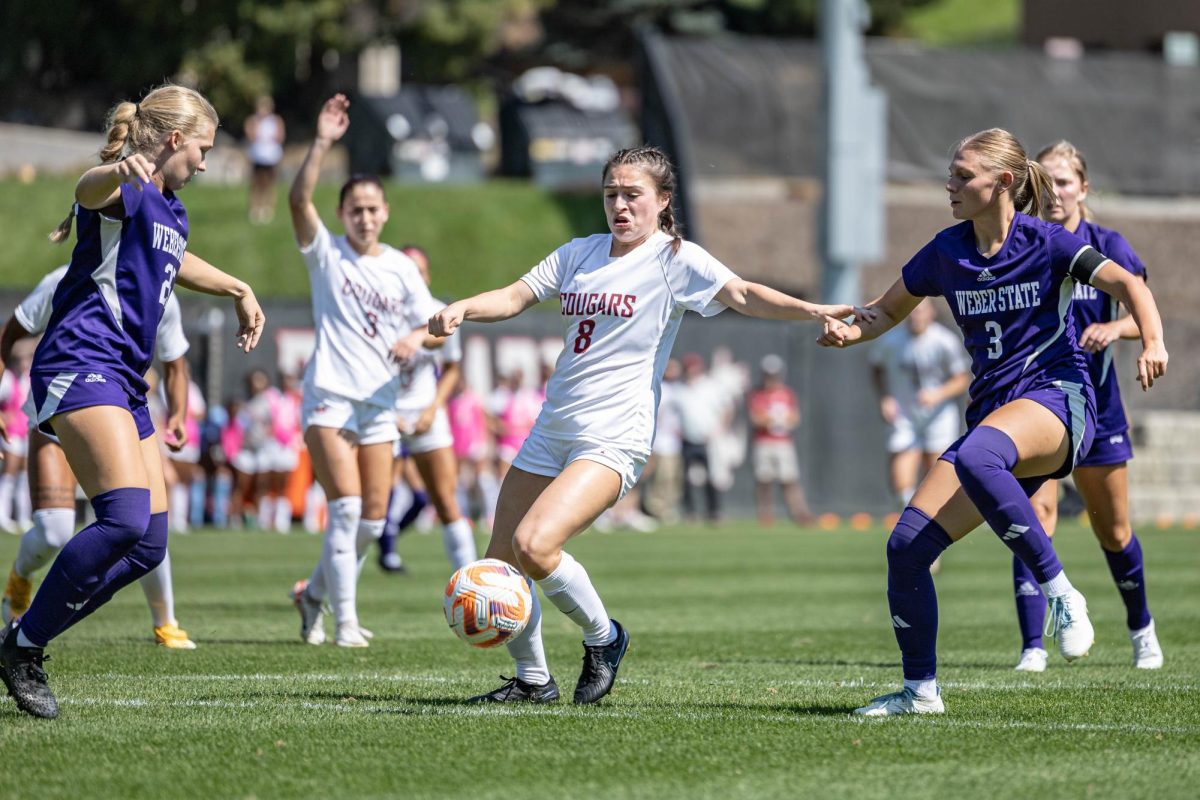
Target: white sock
x: 178, y: 506
x: 369, y: 531
x: 571, y: 591
x: 526, y: 649
x: 489, y: 487
x: 266, y: 512
x: 7, y: 484
x: 459, y: 540
x: 314, y: 499
x: 52, y: 529
x: 1057, y: 586
x: 156, y: 585
x: 340, y: 558
x: 283, y: 514
x: 926, y: 690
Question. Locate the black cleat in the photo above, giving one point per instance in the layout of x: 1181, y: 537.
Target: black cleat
x: 22, y: 673
x: 600, y: 667
x: 516, y: 690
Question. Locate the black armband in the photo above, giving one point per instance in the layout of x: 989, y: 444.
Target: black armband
x: 1085, y: 264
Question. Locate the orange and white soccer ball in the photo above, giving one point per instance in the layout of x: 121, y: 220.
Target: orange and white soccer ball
x: 487, y: 602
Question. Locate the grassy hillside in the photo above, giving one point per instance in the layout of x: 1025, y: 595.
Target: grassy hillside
x: 477, y: 236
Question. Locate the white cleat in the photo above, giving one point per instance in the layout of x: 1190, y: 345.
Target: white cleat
x: 904, y: 701
x: 1147, y: 654
x: 1033, y: 659
x: 350, y: 635
x: 367, y: 634
x: 1067, y: 620
x: 312, y: 618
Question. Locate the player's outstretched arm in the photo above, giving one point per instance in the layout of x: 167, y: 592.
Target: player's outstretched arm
x: 196, y: 273
x: 757, y: 300
x: 493, y: 306
x: 1134, y: 294
x: 895, y: 304
x: 100, y: 186
x: 332, y: 124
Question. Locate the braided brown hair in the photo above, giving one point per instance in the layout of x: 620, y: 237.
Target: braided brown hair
x: 658, y: 166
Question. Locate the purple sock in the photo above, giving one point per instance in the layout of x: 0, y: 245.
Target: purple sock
x: 122, y: 516
x: 147, y: 554
x: 1128, y: 571
x: 984, y: 466
x: 419, y: 501
x: 1031, y: 605
x: 914, y: 545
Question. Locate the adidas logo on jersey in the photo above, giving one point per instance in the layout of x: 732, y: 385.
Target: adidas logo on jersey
x: 94, y: 377
x: 985, y: 276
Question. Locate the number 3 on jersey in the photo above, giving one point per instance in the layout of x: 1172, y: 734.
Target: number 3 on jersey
x: 995, y: 345
x: 584, y: 340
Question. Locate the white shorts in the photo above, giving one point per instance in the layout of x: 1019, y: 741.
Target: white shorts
x: 275, y: 456
x: 15, y: 445
x: 542, y: 455
x: 366, y: 423
x: 934, y: 435
x: 776, y: 462
x: 437, y: 437
x: 190, y: 454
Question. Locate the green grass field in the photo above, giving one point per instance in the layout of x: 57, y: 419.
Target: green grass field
x: 749, y: 648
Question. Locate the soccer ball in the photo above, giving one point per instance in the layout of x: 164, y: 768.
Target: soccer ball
x: 487, y: 602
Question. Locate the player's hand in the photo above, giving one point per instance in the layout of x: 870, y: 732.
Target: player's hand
x: 175, y: 433
x: 838, y: 333
x: 424, y: 422
x: 407, y: 347
x: 889, y: 409
x: 1097, y: 336
x: 135, y: 169
x: 446, y: 321
x: 928, y: 398
x: 842, y: 311
x: 1151, y: 364
x: 250, y: 321
x: 333, y: 121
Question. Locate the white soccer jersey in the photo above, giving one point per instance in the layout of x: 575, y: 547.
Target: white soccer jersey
x: 361, y: 306
x: 912, y: 363
x: 622, y: 318
x: 419, y: 377
x: 34, y: 314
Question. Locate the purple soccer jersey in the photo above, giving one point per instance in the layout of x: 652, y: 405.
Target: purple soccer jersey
x: 1090, y: 305
x: 107, y: 308
x: 1013, y: 308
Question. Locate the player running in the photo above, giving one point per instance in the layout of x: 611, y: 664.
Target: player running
x: 87, y: 376
x: 1102, y: 476
x: 1009, y: 279
x: 370, y: 308
x: 623, y: 295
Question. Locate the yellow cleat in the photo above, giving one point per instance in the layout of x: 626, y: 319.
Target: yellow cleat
x: 17, y: 596
x: 173, y: 637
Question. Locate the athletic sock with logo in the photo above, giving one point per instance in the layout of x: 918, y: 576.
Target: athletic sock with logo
x: 914, y: 545
x: 1128, y: 573
x: 526, y: 648
x: 82, y: 568
x: 984, y: 465
x: 1031, y: 605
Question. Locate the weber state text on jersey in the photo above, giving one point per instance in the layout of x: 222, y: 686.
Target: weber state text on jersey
x: 1014, y: 308
x: 622, y: 316
x: 108, y: 305
x: 1092, y: 305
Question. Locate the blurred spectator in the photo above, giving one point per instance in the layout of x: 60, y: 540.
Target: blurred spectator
x: 15, y: 506
x: 478, y: 487
x: 919, y: 369
x: 727, y: 449
x: 701, y: 405
x: 774, y: 416
x: 265, y: 135
x: 514, y: 408
x: 663, y: 475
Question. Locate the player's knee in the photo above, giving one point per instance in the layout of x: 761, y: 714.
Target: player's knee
x: 916, y: 541
x: 985, y: 451
x: 535, y: 551
x: 123, y: 515
x: 1047, y: 515
x: 54, y: 526
x: 1115, y: 537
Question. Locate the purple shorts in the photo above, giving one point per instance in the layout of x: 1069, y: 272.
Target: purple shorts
x: 59, y: 392
x: 1073, y: 403
x: 1108, y: 450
